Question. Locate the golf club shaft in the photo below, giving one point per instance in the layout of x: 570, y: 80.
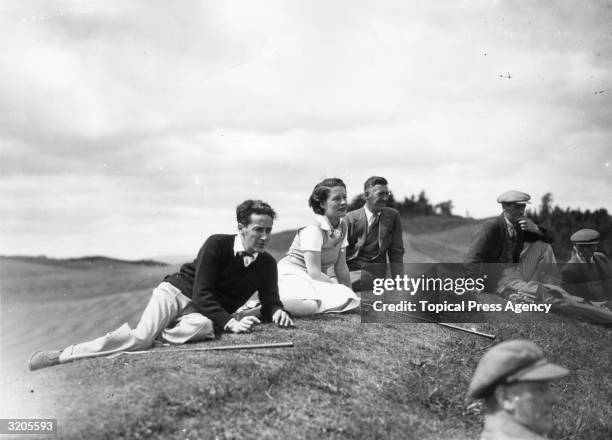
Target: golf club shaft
x: 442, y: 324
x: 214, y: 348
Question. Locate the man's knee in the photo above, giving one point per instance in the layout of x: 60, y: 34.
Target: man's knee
x: 191, y: 327
x: 200, y: 325
x: 539, y: 250
x: 194, y: 319
x: 141, y: 340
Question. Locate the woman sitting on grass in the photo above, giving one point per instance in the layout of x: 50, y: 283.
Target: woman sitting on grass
x: 304, y: 286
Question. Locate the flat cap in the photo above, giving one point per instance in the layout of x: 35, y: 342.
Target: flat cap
x: 585, y: 236
x: 512, y: 361
x: 514, y: 197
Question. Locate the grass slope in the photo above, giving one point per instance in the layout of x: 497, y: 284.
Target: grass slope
x: 32, y: 280
x: 90, y: 262
x: 442, y: 239
x: 343, y: 379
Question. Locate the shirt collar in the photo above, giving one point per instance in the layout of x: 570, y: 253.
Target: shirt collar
x: 579, y: 258
x: 510, y: 226
x: 238, y: 247
x: 325, y: 224
x: 369, y: 213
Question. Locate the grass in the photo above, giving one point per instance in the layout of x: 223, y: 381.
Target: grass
x: 443, y: 239
x: 33, y: 281
x: 342, y: 380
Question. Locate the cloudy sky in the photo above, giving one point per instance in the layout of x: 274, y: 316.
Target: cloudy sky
x: 133, y: 129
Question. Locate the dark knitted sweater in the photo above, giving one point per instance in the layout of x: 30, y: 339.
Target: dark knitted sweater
x: 218, y: 283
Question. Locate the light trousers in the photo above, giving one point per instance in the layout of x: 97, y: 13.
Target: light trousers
x: 527, y: 276
x: 169, y: 316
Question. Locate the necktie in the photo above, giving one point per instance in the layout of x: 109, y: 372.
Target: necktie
x: 512, y: 231
x: 372, y: 222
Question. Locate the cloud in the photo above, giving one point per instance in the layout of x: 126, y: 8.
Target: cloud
x: 151, y: 119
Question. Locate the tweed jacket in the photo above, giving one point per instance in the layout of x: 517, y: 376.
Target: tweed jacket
x: 590, y: 281
x: 390, y: 241
x: 488, y: 246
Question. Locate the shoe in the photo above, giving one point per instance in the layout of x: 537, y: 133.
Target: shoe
x: 42, y: 359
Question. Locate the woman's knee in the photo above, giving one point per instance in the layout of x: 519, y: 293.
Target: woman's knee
x: 301, y: 307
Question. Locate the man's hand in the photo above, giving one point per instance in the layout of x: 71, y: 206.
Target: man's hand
x: 244, y: 325
x: 528, y: 225
x: 282, y: 319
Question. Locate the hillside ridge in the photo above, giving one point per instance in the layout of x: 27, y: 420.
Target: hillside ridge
x: 81, y: 261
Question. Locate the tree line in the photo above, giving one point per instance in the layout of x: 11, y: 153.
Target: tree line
x: 419, y: 205
x: 564, y: 222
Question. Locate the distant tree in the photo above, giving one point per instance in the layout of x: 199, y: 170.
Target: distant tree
x: 444, y: 208
x: 546, y: 209
x: 357, y: 202
x: 423, y: 206
x: 546, y: 205
x: 391, y: 203
x: 409, y: 206
x: 564, y: 222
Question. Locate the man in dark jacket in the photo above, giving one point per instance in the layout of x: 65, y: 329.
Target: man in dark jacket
x: 510, y: 248
x: 198, y: 301
x: 374, y: 234
x: 587, y: 280
x: 588, y: 273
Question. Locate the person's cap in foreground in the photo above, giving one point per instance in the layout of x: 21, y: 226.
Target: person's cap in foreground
x: 509, y: 362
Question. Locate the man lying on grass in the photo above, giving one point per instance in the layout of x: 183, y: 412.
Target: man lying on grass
x: 198, y: 301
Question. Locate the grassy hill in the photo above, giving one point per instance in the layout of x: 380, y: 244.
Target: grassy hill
x: 426, y: 238
x: 342, y: 380
x: 280, y: 242
x: 90, y: 262
x: 444, y: 239
x: 41, y: 278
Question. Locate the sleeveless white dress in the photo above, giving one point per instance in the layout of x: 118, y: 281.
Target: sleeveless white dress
x: 293, y: 279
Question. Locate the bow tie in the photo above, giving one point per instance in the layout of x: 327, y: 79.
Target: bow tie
x: 247, y: 257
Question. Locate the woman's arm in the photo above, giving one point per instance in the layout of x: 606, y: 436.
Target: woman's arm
x: 313, y: 266
x: 342, y: 270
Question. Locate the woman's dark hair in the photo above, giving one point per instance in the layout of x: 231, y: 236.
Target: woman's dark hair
x: 248, y: 207
x: 321, y: 192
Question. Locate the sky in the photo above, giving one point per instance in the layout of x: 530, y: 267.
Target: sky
x: 133, y: 128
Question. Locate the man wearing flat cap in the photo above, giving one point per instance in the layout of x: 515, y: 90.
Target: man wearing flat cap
x: 513, y: 240
x: 513, y: 378
x: 588, y: 273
